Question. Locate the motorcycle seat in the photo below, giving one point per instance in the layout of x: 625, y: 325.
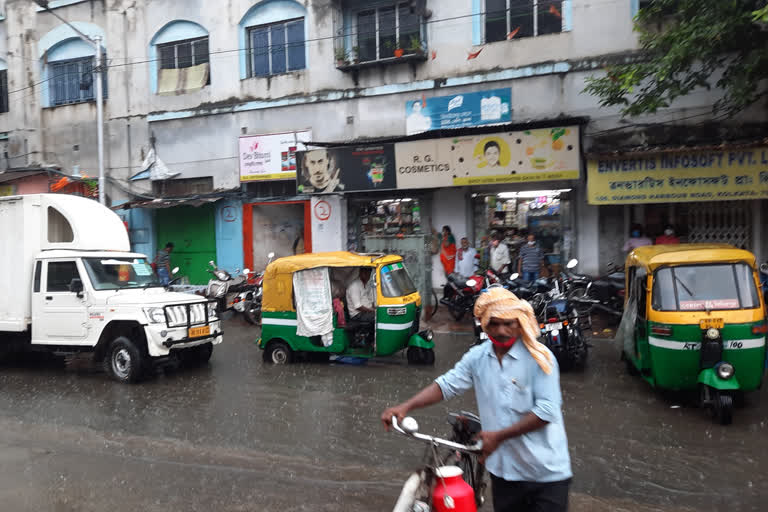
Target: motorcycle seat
x: 457, y: 279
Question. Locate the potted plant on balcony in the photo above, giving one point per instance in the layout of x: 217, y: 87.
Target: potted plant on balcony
x: 356, y: 54
x: 415, y: 46
x: 399, y: 51
x: 342, y: 57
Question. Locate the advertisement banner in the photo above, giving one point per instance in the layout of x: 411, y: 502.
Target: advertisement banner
x: 271, y: 157
x: 346, y: 169
x: 458, y: 111
x: 511, y: 157
x: 679, y: 177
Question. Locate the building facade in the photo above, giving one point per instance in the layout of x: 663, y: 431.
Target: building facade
x: 195, y: 91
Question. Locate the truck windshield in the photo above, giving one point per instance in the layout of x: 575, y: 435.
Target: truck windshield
x: 119, y: 273
x: 395, y: 281
x: 705, y: 288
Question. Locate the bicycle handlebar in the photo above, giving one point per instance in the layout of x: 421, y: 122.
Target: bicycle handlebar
x: 475, y: 448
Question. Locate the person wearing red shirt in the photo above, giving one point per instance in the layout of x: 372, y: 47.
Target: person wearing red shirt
x: 669, y: 237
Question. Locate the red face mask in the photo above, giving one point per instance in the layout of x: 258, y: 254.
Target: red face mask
x: 499, y: 344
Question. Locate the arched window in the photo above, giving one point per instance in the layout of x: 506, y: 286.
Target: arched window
x: 179, y: 58
x: 68, y: 63
x: 274, y: 34
x: 3, y: 87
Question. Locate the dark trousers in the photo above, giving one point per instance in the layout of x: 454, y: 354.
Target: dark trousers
x: 364, y: 317
x: 529, y: 496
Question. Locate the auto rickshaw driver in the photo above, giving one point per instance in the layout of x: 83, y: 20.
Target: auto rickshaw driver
x: 360, y: 303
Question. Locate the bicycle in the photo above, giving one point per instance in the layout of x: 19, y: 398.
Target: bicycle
x: 418, y: 489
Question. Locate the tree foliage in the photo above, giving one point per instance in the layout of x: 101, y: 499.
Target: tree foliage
x: 691, y: 44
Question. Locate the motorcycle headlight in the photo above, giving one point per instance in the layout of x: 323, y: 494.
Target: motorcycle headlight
x: 713, y: 333
x: 155, y: 315
x: 471, y: 283
x: 221, y: 275
x: 213, y: 311
x: 725, y: 370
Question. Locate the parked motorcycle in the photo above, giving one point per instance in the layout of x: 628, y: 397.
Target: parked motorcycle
x: 248, y: 301
x: 560, y: 320
x: 607, y: 290
x: 459, y: 293
x: 229, y: 292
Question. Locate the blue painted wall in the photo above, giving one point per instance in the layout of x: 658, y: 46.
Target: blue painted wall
x: 229, y: 234
x: 141, y: 225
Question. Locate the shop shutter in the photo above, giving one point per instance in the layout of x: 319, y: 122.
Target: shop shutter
x: 727, y: 222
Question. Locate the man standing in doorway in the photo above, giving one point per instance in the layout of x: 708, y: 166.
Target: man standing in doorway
x: 360, y: 298
x: 499, y: 255
x: 466, y: 259
x: 517, y: 388
x: 163, y: 263
x: 529, y: 262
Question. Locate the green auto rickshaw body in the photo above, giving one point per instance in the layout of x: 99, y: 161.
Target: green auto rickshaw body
x: 398, y: 306
x: 690, y: 309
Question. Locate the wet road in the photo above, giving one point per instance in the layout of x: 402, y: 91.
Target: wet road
x: 240, y: 435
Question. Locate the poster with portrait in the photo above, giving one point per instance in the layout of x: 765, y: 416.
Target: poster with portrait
x: 509, y: 157
x: 346, y: 169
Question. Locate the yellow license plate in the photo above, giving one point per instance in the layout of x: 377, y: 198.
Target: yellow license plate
x: 712, y: 323
x: 197, y: 332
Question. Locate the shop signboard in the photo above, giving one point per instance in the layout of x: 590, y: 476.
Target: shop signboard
x: 272, y: 156
x: 346, y: 169
x: 679, y: 177
x: 544, y: 154
x: 458, y: 111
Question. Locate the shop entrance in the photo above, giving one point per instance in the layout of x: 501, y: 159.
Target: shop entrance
x: 394, y: 226
x: 192, y: 231
x: 280, y: 227
x: 545, y: 213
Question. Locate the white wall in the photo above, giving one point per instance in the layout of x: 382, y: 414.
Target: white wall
x: 449, y: 208
x: 329, y: 234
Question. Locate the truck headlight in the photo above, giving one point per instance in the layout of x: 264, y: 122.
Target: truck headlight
x: 155, y: 315
x: 725, y: 370
x: 213, y: 311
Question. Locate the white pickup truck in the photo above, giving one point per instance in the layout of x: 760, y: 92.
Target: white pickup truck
x: 70, y: 283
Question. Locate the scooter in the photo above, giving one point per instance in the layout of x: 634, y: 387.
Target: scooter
x: 248, y: 302
x: 454, y: 482
x: 225, y: 289
x: 459, y: 293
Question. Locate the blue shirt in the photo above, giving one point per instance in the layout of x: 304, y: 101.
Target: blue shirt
x: 505, y: 393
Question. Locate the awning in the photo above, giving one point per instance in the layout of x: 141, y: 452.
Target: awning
x: 168, y: 203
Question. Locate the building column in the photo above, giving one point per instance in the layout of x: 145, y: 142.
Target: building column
x: 757, y: 230
x: 587, y: 231
x: 329, y: 223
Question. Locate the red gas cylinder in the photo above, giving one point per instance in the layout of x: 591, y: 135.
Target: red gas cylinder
x: 451, y: 493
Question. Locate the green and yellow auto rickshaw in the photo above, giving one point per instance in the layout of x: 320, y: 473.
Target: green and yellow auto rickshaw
x: 694, y: 319
x: 305, y: 310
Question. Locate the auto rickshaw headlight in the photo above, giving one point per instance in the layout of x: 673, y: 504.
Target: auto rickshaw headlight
x: 427, y: 334
x: 713, y: 333
x: 725, y: 370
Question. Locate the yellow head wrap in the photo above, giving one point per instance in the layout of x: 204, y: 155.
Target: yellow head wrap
x: 503, y: 304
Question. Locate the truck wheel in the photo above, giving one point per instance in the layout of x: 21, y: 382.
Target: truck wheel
x: 278, y: 352
x: 124, y: 361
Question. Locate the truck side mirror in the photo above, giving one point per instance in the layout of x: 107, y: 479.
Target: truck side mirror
x: 76, y: 286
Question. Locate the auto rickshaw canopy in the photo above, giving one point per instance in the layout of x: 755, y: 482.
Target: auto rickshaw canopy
x: 278, y: 277
x: 652, y: 257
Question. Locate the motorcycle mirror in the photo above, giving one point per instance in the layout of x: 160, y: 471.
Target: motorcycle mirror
x: 271, y: 255
x: 246, y: 271
x: 175, y: 271
x: 471, y: 282
x: 211, y: 263
x: 571, y: 264
x: 514, y: 276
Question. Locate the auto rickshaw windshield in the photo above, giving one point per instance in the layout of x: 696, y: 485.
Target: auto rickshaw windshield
x: 705, y: 287
x: 395, y: 281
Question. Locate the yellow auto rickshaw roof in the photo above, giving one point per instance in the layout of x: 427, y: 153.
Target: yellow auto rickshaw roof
x: 654, y: 256
x: 278, y: 277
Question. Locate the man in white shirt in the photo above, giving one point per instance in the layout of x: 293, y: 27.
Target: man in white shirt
x: 466, y: 259
x: 360, y: 298
x: 499, y: 255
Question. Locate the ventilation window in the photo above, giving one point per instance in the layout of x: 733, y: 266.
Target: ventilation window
x: 59, y: 228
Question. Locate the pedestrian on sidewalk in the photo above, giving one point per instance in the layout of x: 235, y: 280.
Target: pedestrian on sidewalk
x: 669, y: 237
x: 499, y: 254
x: 447, y: 250
x: 529, y: 262
x: 466, y: 259
x: 517, y: 387
x: 636, y: 239
x: 163, y: 264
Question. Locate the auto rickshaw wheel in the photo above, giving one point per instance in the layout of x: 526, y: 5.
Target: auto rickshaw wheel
x: 723, y: 408
x: 420, y: 356
x: 278, y: 352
